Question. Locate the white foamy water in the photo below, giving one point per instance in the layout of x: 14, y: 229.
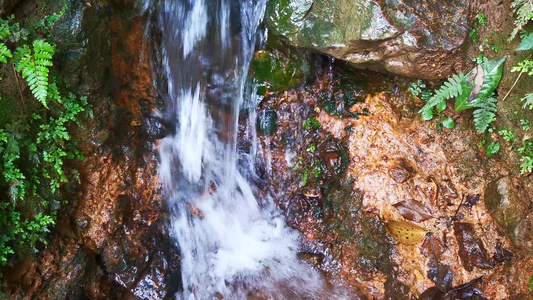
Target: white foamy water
x: 231, y: 243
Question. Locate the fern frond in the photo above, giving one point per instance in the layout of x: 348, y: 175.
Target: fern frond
x: 485, y: 113
x: 4, y: 29
x: 524, y: 13
x: 528, y: 101
x: 4, y: 53
x: 34, y: 67
x: 451, y: 88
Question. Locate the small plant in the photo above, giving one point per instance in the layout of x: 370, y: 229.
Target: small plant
x: 418, y: 90
x: 34, y: 63
x: 311, y: 123
x: 34, y: 143
x: 480, y: 59
x: 482, y: 143
x: 526, y: 125
x: 507, y: 135
x: 480, y: 21
x: 485, y: 78
x: 524, y: 13
x: 527, y: 165
x: 309, y: 165
x: 530, y: 288
x: 492, y: 149
x: 528, y: 101
x: 526, y: 152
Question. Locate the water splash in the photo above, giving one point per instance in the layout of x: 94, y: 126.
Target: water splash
x: 231, y: 244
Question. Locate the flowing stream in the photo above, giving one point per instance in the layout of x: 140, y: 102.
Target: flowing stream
x: 232, y: 243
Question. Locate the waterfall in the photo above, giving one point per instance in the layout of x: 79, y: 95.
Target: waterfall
x: 232, y: 243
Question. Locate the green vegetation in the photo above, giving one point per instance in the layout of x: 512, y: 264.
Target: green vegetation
x: 309, y: 165
x: 34, y: 137
x: 476, y: 88
x: 480, y: 22
x: 526, y: 125
x: 507, y: 135
x: 492, y: 149
x: 524, y: 13
x: 311, y: 123
x: 274, y: 71
x: 531, y: 283
x: 473, y: 90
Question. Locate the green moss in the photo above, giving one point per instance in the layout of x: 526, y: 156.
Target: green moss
x: 275, y: 71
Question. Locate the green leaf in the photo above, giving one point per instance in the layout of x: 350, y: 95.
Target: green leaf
x: 493, y: 148
x: 461, y: 101
x: 485, y: 113
x: 448, y: 123
x: 493, y: 70
x: 426, y: 114
x: 528, y: 101
x: 450, y: 89
x: 526, y: 44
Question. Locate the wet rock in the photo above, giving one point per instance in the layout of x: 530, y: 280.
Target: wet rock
x: 496, y: 285
x: 275, y: 71
x: 407, y: 37
x: 358, y: 202
x: 413, y: 210
x: 111, y: 241
x: 433, y: 293
x: 83, y: 40
x: 314, y: 259
x: 399, y: 174
x: 7, y: 6
x: 505, y: 206
x: 335, y: 160
x: 267, y: 122
x: 158, y: 128
x: 471, y: 249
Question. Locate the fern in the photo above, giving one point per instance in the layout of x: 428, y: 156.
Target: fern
x: 35, y: 67
x: 4, y: 53
x: 525, y: 66
x: 453, y: 87
x: 524, y: 13
x: 528, y: 101
x: 5, y: 31
x: 485, y: 113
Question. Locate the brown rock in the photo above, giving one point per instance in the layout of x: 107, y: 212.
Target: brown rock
x: 399, y: 174
x: 471, y: 249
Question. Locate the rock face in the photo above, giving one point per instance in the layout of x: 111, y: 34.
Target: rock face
x: 110, y: 241
x: 407, y: 37
x: 371, y: 161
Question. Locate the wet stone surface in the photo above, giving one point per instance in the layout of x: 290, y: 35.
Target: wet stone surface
x: 110, y: 241
x: 471, y: 249
x: 393, y: 167
x: 409, y: 37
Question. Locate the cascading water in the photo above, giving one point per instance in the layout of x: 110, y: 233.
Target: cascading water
x: 231, y: 244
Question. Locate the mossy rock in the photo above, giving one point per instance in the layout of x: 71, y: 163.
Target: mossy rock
x: 274, y: 71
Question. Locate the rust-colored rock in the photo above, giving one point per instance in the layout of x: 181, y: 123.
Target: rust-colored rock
x: 471, y: 249
x: 399, y: 174
x: 393, y: 157
x: 110, y: 240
